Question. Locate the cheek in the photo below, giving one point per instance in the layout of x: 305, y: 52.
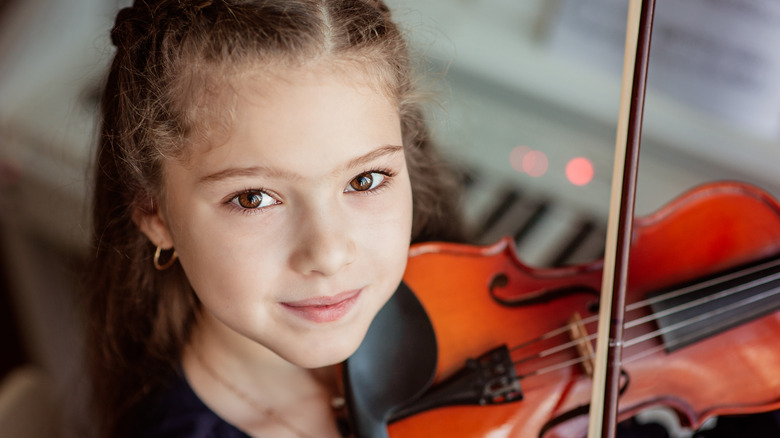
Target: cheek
x: 219, y: 257
x: 392, y: 232
x: 405, y: 210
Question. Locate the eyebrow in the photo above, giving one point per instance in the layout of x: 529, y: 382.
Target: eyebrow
x: 371, y: 156
x: 239, y: 172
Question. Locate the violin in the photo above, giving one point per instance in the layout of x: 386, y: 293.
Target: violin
x: 477, y: 344
x: 701, y: 330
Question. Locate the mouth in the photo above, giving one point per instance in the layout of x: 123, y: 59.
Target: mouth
x: 324, y: 309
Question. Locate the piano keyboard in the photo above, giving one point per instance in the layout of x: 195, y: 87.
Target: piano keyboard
x: 547, y: 232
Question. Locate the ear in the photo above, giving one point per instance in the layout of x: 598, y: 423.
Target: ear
x: 154, y: 226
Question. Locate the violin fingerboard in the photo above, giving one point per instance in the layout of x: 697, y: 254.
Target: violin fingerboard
x: 707, y: 311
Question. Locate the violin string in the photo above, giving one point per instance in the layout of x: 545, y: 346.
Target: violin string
x: 649, y: 318
x: 668, y: 329
x: 655, y: 334
x: 646, y: 352
x: 681, y: 341
x: 638, y: 321
x: 653, y: 317
x: 704, y: 284
x: 555, y: 367
x: 552, y: 350
x: 544, y: 337
x: 660, y: 298
x: 701, y: 301
x: 654, y: 300
x: 704, y: 316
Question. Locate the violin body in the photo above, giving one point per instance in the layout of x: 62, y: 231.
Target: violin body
x: 478, y: 298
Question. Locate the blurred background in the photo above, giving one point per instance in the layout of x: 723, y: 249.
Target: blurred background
x: 525, y: 105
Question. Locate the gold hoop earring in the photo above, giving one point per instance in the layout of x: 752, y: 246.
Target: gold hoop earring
x: 166, y: 265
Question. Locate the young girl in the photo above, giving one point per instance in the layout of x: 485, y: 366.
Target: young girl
x: 262, y: 169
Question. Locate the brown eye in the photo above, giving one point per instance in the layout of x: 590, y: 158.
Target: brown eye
x: 365, y: 181
x: 362, y: 182
x: 253, y: 200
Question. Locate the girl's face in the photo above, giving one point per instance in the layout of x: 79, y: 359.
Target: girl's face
x: 295, y: 231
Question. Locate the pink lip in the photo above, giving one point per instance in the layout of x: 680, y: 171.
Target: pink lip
x: 324, y: 309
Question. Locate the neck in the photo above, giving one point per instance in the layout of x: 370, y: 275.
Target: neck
x: 254, y: 389
x: 248, y: 364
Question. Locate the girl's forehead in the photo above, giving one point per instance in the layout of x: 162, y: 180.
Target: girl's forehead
x: 220, y: 99
x: 270, y: 116
x: 272, y: 77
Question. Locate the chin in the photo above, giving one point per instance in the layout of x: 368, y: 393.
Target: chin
x: 326, y: 354
x: 312, y: 361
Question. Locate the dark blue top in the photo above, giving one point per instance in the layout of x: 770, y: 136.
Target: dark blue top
x: 177, y: 412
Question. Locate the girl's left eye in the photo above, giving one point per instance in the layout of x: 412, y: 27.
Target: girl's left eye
x: 253, y: 199
x: 366, y: 181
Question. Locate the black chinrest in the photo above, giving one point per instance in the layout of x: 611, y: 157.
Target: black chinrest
x: 395, y: 364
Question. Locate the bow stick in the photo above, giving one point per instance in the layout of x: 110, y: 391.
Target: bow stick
x: 609, y: 345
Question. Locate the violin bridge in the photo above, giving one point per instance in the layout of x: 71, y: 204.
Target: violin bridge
x: 579, y: 334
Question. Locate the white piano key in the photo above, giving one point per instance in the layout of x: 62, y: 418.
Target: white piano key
x: 550, y: 234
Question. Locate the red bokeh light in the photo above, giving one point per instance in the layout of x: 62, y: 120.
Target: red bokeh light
x: 516, y: 157
x: 579, y: 171
x: 535, y: 163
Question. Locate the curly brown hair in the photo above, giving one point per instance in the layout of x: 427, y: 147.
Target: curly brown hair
x: 170, y: 56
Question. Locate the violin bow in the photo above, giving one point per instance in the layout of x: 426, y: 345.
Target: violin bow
x: 609, y: 344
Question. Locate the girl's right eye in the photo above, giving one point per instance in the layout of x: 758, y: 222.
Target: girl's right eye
x: 253, y: 200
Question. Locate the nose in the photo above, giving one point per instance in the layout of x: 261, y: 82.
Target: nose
x: 323, y: 242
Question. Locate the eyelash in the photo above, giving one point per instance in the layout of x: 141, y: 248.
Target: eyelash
x: 232, y: 201
x: 387, y: 179
x: 386, y: 173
